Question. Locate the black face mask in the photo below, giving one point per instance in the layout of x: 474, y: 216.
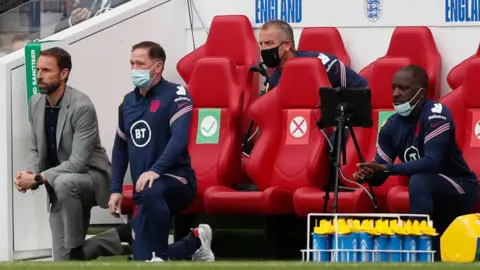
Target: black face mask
x: 271, y: 57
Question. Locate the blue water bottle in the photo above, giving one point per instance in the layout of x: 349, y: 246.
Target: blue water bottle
x: 396, y: 240
x: 409, y: 243
x: 424, y: 244
x: 321, y: 242
x: 425, y: 241
x: 346, y: 241
x: 380, y: 243
x: 365, y: 242
x: 395, y: 244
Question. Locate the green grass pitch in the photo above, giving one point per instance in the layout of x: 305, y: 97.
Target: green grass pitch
x: 250, y: 265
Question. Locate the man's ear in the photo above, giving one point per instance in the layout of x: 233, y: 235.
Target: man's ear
x: 424, y: 93
x: 289, y: 45
x: 159, y: 67
x: 64, y: 74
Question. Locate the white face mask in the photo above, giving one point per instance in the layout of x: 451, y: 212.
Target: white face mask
x: 405, y: 109
x: 141, y: 78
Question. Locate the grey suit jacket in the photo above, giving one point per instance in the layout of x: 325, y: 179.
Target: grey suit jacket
x: 78, y: 142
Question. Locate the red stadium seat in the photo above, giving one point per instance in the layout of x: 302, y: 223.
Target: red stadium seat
x: 457, y: 74
x: 290, y: 152
x: 464, y: 103
x: 324, y: 39
x: 230, y: 36
x: 417, y: 44
x: 127, y: 206
x: 359, y: 201
x: 216, y: 164
x: 215, y: 155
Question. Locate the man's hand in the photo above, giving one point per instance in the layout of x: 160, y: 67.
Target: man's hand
x: 114, y: 204
x: 79, y: 15
x: 367, y: 169
x: 146, y: 177
x: 25, y: 180
x: 15, y: 181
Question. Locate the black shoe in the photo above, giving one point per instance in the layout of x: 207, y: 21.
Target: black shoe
x: 77, y: 254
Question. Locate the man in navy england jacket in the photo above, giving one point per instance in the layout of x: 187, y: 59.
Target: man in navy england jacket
x: 422, y: 135
x: 152, y: 135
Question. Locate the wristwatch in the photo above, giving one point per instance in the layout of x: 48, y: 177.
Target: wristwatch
x: 38, y: 180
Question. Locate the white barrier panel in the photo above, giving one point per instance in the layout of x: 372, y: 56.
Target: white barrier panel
x: 349, y: 13
x: 100, y: 49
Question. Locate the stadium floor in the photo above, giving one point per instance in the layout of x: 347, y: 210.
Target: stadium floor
x: 251, y: 265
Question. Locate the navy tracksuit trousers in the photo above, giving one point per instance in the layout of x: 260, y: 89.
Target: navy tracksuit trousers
x: 169, y: 195
x: 443, y: 198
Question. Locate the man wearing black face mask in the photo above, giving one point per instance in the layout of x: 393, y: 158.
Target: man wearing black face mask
x: 422, y: 135
x: 278, y: 45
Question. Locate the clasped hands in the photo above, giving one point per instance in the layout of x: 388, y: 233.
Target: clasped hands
x: 367, y: 170
x: 25, y: 180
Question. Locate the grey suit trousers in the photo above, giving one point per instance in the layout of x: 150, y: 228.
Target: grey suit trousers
x: 107, y: 243
x: 70, y: 212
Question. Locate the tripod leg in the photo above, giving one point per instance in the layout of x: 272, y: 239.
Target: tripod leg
x: 344, y: 147
x: 360, y: 157
x: 326, y: 198
x: 338, y: 149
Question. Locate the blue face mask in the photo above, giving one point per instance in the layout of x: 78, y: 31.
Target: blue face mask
x: 405, y: 109
x: 141, y: 78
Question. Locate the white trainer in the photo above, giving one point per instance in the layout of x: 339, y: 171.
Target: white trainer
x: 155, y: 259
x: 204, y: 253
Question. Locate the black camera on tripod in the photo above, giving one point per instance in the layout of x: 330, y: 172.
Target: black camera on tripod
x: 344, y: 109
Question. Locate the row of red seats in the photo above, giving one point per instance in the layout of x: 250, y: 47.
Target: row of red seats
x: 290, y: 170
x: 269, y: 165
x: 415, y: 43
x: 280, y: 164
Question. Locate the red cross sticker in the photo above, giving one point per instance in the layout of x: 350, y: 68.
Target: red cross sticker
x: 298, y: 127
x: 475, y: 137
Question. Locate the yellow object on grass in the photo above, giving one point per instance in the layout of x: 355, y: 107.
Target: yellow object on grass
x: 461, y: 241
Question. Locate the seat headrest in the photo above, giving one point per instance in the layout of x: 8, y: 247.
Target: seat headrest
x: 214, y: 83
x: 381, y: 81
x: 471, y: 84
x: 300, y: 83
x: 231, y: 36
x: 323, y: 39
x: 416, y: 41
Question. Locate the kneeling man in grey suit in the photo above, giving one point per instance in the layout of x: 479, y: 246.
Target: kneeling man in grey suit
x: 65, y: 155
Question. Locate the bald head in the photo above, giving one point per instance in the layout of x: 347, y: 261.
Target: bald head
x: 410, y: 84
x: 277, y: 43
x: 281, y: 30
x: 418, y: 74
